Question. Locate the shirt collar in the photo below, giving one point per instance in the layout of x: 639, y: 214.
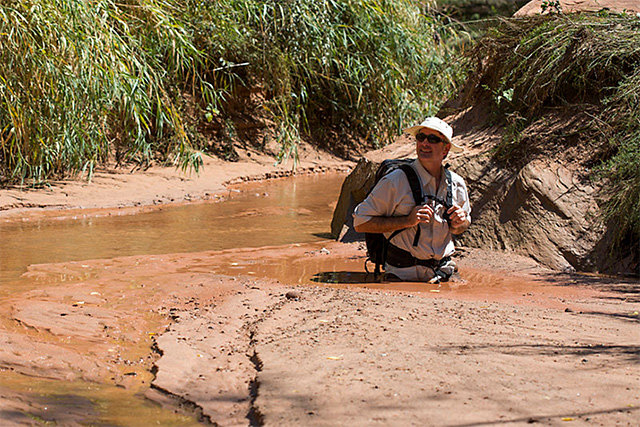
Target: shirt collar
x: 428, y: 180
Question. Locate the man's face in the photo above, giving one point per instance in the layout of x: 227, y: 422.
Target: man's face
x: 429, y: 150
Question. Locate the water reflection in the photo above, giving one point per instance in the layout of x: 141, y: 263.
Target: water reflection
x: 273, y: 212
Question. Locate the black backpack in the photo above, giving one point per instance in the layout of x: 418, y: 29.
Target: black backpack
x: 376, y: 242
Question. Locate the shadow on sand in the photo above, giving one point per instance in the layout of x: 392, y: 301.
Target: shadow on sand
x: 619, y: 288
x: 346, y: 277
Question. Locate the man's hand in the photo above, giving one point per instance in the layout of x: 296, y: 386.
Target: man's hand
x: 458, y: 221
x: 421, y: 214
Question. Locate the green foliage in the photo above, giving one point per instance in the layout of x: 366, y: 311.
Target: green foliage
x: 587, y: 60
x: 621, y: 207
x: 80, y: 78
x: 474, y: 16
x: 467, y: 10
x: 364, y: 67
x: 622, y: 170
x: 551, y: 6
x: 83, y: 80
x: 551, y: 60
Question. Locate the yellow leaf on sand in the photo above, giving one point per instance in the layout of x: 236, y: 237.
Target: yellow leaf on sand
x: 567, y: 419
x: 334, y: 357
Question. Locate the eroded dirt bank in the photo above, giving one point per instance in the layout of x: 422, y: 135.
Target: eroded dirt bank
x: 131, y: 191
x: 238, y: 347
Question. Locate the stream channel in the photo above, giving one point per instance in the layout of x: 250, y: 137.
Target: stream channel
x: 270, y: 213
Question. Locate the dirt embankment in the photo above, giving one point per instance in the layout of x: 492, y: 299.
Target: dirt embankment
x: 130, y: 190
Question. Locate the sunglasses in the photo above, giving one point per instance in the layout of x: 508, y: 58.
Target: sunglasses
x: 431, y: 138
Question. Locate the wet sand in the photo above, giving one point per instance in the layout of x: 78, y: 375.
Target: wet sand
x: 233, y: 346
x: 299, y: 335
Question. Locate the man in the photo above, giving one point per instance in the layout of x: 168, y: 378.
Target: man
x: 390, y: 207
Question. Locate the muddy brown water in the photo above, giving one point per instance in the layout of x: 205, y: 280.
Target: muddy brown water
x: 271, y: 213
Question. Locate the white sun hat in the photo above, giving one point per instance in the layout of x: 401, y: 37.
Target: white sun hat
x: 439, y: 125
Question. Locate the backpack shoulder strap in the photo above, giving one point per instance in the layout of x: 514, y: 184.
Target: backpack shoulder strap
x: 448, y: 179
x: 414, y: 182
x: 416, y: 190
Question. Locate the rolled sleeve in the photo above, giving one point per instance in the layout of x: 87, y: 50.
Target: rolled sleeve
x: 380, y: 201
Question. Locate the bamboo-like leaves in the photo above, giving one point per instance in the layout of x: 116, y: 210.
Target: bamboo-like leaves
x: 83, y: 80
x: 78, y: 77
